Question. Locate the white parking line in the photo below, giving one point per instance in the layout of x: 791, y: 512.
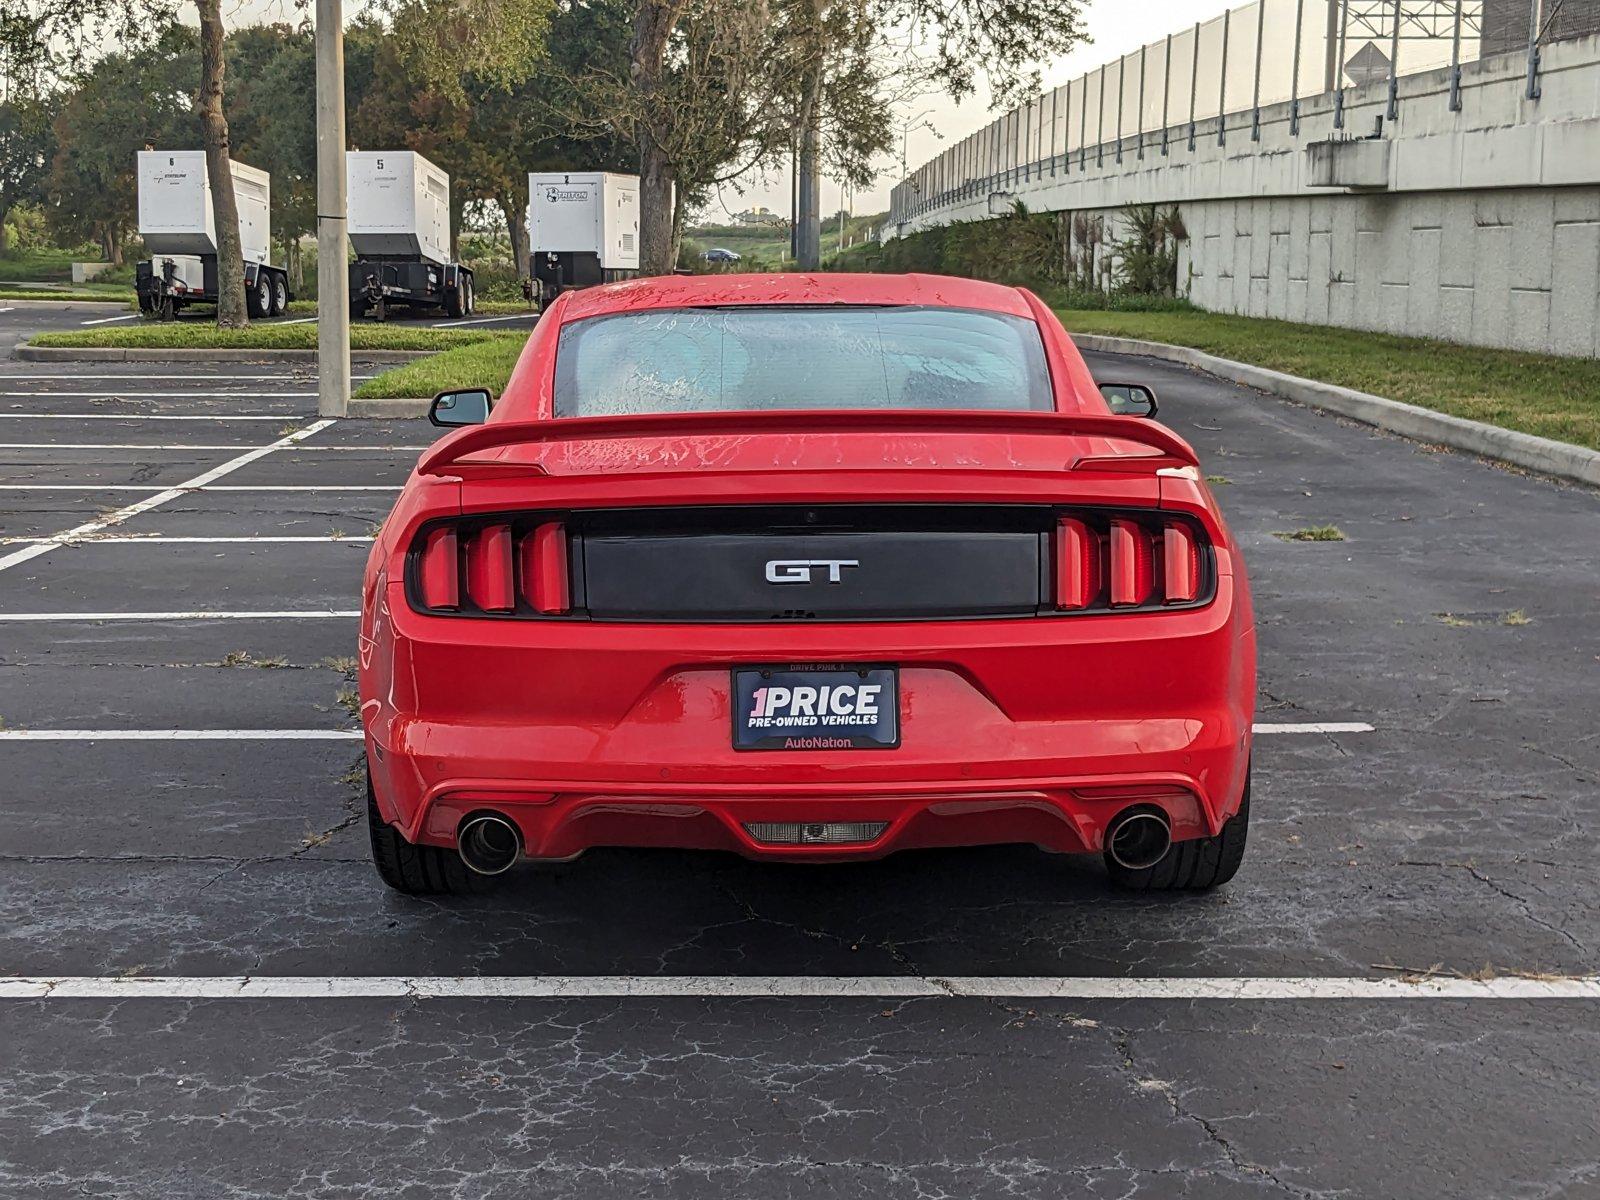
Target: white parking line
x: 178, y: 735
x: 784, y: 987
x: 149, y: 487
x: 194, y: 615
x: 185, y: 395
x: 143, y: 377
x: 104, y: 416
x: 135, y: 539
x: 122, y: 514
x: 485, y: 320
x: 158, y: 446
x: 205, y: 735
x: 1314, y: 727
x: 296, y: 321
x: 108, y: 320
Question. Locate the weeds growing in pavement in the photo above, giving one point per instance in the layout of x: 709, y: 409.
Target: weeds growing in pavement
x: 1218, y: 480
x: 1516, y: 617
x: 1311, y: 533
x: 243, y: 658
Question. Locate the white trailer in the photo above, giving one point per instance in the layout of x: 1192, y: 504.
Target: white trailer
x: 399, y: 223
x: 583, y: 229
x: 180, y: 232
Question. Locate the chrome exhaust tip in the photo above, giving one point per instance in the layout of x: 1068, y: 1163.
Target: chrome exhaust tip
x: 1138, y: 838
x: 488, y: 843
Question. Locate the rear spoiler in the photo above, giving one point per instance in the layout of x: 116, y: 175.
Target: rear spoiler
x: 1171, y: 450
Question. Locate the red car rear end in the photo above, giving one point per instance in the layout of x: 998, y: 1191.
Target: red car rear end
x: 805, y: 568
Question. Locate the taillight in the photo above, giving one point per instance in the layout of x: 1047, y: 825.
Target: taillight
x: 1106, y: 561
x: 1180, y: 560
x: 438, y: 570
x: 1133, y: 563
x: 544, y: 568
x: 489, y: 563
x: 506, y: 566
x: 1077, y: 564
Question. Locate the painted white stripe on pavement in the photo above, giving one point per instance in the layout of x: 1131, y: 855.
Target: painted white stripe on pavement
x: 875, y: 987
x: 137, y: 416
x: 125, y: 539
x: 417, y: 449
x: 107, y: 320
x: 149, y: 502
x: 1313, y: 727
x: 485, y: 320
x: 205, y: 735
x: 232, y: 487
x: 183, y: 395
x: 263, y: 615
x: 179, y: 735
x: 143, y: 376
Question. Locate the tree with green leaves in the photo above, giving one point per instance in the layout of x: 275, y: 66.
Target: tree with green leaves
x: 27, y: 145
x: 949, y: 42
x: 108, y: 113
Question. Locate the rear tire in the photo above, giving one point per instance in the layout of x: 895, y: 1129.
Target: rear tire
x: 453, y: 300
x: 418, y: 870
x: 469, y: 298
x: 1196, y: 864
x: 280, y: 295
x: 258, y: 297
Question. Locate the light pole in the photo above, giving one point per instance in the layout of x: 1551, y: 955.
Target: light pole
x: 333, y: 275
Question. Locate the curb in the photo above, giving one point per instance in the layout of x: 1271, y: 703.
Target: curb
x: 1543, y: 455
x: 386, y: 408
x: 29, y: 353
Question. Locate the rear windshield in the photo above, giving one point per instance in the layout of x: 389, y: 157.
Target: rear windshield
x: 719, y: 359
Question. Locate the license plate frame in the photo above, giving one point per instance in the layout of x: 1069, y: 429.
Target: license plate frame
x: 779, y: 727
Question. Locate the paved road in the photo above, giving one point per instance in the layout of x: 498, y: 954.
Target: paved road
x: 1457, y: 836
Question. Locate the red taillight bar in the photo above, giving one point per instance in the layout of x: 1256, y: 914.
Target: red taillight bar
x: 503, y: 571
x: 544, y: 569
x: 1122, y: 561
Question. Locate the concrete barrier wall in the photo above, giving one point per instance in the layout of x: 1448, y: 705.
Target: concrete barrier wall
x: 1483, y: 225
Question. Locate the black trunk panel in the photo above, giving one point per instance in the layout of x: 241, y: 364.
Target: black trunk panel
x: 823, y: 563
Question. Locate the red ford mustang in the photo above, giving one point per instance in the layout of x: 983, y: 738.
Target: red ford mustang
x: 807, y: 568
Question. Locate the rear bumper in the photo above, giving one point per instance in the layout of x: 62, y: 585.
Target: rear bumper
x: 599, y: 734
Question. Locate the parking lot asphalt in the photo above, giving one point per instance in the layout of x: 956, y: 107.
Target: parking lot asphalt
x: 1454, y: 840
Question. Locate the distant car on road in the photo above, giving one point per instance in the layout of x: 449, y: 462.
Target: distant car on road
x: 719, y: 255
x: 806, y: 567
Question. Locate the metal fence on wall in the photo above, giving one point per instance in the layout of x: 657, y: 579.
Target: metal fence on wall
x: 1267, y: 52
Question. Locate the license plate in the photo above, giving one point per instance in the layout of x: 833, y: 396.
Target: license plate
x: 816, y: 708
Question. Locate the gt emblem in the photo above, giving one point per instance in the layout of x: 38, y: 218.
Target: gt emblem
x: 798, y: 570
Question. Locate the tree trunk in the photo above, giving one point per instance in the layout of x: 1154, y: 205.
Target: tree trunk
x: 808, y: 220
x: 231, y: 311
x: 678, y: 216
x: 517, y: 230
x: 653, y: 23
x: 4, y: 214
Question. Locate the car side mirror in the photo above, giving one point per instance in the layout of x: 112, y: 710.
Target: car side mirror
x: 469, y: 406
x: 1129, y: 399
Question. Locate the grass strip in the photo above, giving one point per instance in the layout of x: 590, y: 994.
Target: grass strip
x: 485, y: 363
x: 201, y: 335
x: 1541, y: 394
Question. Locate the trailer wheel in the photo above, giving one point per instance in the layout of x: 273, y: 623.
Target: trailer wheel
x: 280, y: 295
x: 167, y: 309
x: 469, y: 304
x: 147, y: 304
x: 258, y: 297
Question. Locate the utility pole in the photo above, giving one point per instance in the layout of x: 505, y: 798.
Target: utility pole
x: 333, y: 273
